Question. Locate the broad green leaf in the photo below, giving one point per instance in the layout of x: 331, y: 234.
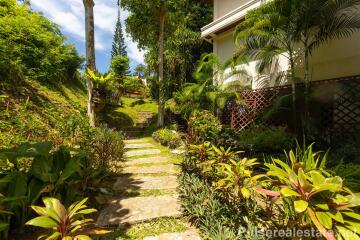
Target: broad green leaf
x: 324, y: 219
x: 347, y: 234
x: 73, y: 209
x: 300, y: 206
x: 42, y: 221
x: 322, y: 206
x: 55, y: 204
x: 336, y: 215
x: 354, y: 200
x: 83, y: 237
x: 317, y: 178
x: 352, y: 215
x: 353, y: 226
x: 287, y: 192
x: 54, y: 236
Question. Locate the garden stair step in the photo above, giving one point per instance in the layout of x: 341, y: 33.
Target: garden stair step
x: 140, y: 152
x: 146, y: 183
x: 155, y: 169
x: 147, y: 160
x: 138, y: 145
x: 138, y: 209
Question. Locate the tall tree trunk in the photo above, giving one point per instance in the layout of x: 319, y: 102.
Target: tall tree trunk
x: 161, y: 67
x: 90, y: 55
x: 293, y: 91
x: 307, y: 89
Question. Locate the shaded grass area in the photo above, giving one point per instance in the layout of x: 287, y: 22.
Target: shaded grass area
x: 144, y: 229
x: 126, y: 114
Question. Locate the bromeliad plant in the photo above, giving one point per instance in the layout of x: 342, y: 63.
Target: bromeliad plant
x: 316, y: 196
x: 65, y: 224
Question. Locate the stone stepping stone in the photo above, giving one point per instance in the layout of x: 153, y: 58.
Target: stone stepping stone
x: 131, y: 141
x: 190, y: 234
x: 168, y: 168
x: 146, y: 183
x: 157, y: 159
x: 138, y: 209
x: 142, y: 152
x: 138, y: 145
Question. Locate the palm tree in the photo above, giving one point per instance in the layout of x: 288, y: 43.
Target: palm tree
x: 319, y: 22
x: 90, y: 55
x: 267, y: 33
x: 279, y: 27
x: 210, y: 92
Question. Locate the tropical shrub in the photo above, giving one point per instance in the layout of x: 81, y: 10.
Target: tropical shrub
x: 315, y: 195
x: 33, y: 170
x: 204, y: 126
x: 213, y: 213
x: 266, y: 139
x: 168, y: 137
x: 257, y: 140
x: 63, y: 223
x: 132, y: 84
x: 107, y: 147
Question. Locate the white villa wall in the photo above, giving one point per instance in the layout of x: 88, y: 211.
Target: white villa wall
x: 338, y: 58
x: 223, y: 7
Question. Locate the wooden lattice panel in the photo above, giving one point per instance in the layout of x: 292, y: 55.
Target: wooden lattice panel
x: 255, y: 101
x: 335, y: 108
x: 347, y: 108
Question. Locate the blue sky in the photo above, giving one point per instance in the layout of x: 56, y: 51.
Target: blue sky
x: 69, y: 15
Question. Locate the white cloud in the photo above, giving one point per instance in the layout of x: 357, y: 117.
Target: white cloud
x: 69, y: 15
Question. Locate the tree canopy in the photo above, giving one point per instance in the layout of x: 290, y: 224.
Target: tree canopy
x: 32, y: 46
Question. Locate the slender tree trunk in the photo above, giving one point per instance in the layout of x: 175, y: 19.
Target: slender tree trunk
x: 307, y: 89
x: 293, y: 91
x: 161, y: 67
x: 90, y: 55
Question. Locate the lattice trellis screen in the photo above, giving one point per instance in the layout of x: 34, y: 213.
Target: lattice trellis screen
x: 335, y: 106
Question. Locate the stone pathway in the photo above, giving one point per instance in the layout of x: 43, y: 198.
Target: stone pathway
x: 146, y: 170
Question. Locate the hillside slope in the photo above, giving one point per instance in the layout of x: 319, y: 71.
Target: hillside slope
x: 33, y: 112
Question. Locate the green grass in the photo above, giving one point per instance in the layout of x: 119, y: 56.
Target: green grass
x: 127, y: 114
x: 145, y: 229
x: 32, y: 110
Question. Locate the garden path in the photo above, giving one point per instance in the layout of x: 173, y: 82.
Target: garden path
x: 150, y: 175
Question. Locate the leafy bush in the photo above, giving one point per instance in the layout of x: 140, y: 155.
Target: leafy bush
x: 212, y: 212
x: 48, y: 173
x: 257, y: 140
x: 315, y: 195
x: 63, y: 223
x: 204, y: 126
x: 107, y: 147
x: 168, y: 137
x: 299, y: 192
x: 132, y: 84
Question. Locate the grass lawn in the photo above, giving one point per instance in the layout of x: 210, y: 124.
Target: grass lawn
x: 127, y: 115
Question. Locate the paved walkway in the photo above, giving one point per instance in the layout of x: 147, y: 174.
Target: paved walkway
x: 146, y: 169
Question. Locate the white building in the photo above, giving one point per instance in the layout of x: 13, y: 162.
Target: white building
x: 338, y: 58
